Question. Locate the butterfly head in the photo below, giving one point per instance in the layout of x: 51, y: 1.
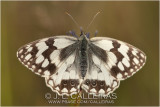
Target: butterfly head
x: 82, y: 35
x: 86, y: 35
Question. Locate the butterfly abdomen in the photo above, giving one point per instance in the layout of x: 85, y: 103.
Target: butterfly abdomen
x: 83, y: 57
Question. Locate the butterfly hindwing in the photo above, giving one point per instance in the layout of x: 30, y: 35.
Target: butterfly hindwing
x: 67, y: 79
x: 99, y: 81
x: 43, y: 56
x: 122, y: 59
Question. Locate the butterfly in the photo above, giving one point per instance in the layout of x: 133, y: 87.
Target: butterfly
x: 70, y: 64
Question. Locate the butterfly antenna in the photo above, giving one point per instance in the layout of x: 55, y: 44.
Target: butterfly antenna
x: 73, y: 19
x: 92, y: 19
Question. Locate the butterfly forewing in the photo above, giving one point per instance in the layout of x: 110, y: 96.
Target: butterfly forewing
x: 123, y: 59
x: 43, y: 56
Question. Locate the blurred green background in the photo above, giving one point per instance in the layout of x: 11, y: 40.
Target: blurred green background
x: 134, y: 22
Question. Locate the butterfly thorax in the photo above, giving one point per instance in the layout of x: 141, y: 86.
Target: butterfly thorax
x: 83, y: 56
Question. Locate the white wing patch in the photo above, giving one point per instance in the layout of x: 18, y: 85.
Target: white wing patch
x: 62, y: 43
x: 45, y: 63
x: 106, y: 45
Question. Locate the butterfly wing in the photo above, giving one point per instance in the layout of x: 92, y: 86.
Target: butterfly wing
x: 45, y: 55
x: 123, y: 59
x: 111, y: 61
x: 66, y: 80
x: 53, y: 58
x: 98, y: 80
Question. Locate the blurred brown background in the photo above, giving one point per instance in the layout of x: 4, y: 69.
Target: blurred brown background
x: 134, y: 22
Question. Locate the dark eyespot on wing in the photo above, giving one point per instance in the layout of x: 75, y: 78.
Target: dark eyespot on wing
x: 66, y: 86
x: 99, y: 87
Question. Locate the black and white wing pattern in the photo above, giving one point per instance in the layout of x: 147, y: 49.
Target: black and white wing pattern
x: 111, y: 61
x: 53, y: 58
x: 69, y: 64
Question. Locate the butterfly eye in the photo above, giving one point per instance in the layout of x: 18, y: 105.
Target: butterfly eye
x: 94, y: 83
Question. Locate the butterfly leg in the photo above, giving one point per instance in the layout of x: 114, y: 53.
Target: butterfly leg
x: 73, y: 34
x: 87, y: 34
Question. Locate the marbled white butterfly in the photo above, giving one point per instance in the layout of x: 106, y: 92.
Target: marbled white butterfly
x: 69, y: 64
